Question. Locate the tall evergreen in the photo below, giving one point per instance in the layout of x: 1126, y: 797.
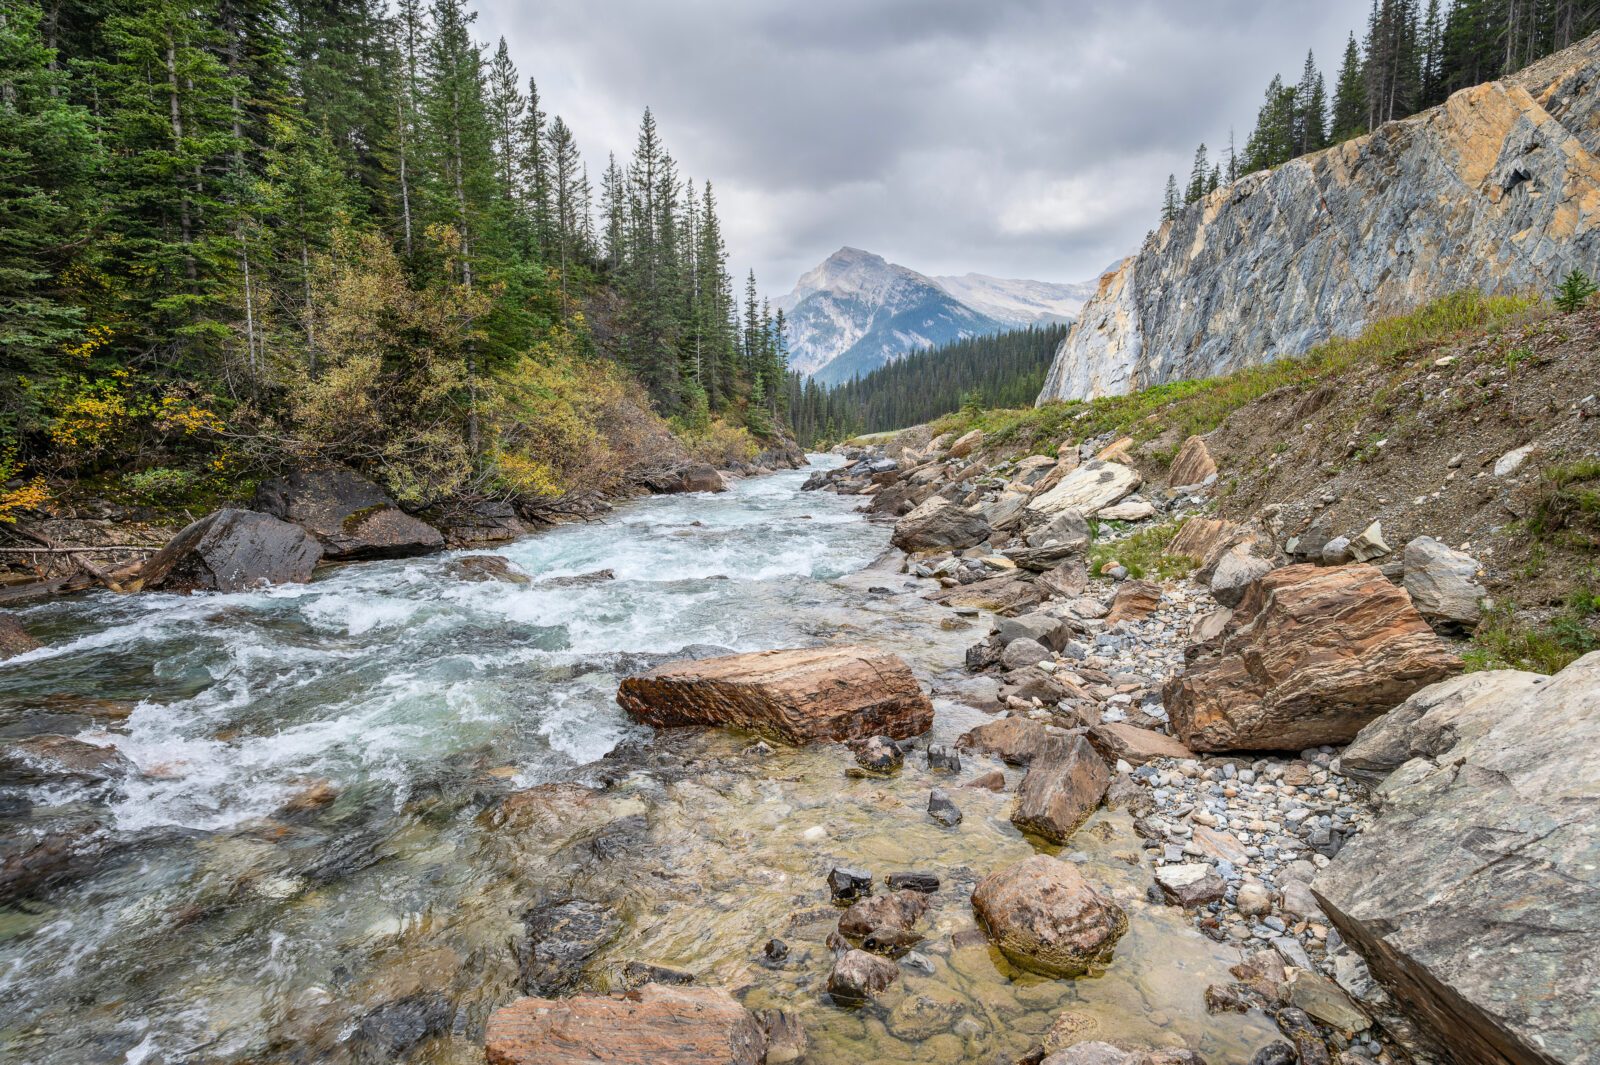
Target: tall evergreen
x: 1199, y: 176
x: 1349, y: 96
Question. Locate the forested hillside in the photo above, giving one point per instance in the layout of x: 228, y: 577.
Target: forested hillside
x: 1412, y: 56
x: 998, y: 370
x: 243, y: 233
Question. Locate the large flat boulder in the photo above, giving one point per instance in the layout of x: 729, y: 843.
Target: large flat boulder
x: 1063, y: 786
x: 1013, y: 740
x: 939, y: 525
x: 351, y: 516
x: 232, y: 551
x: 1007, y: 594
x: 1046, y: 918
x: 1134, y: 745
x: 1475, y: 896
x: 809, y: 695
x: 1089, y: 488
x: 654, y: 1025
x: 1310, y: 656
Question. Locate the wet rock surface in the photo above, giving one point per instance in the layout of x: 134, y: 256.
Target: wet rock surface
x: 232, y: 551
x: 1046, y: 918
x: 352, y: 517
x: 656, y: 1025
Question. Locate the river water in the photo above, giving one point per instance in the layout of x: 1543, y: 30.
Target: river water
x: 444, y: 725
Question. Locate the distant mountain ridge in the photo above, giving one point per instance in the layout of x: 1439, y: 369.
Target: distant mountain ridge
x: 856, y: 311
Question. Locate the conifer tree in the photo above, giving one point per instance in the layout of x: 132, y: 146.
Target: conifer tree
x: 1199, y: 174
x: 1169, y: 203
x: 1350, y: 96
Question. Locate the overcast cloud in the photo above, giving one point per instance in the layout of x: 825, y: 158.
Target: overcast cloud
x: 1019, y: 138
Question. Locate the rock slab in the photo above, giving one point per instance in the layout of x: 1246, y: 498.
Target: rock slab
x: 810, y: 695
x: 655, y: 1025
x: 1062, y: 788
x: 1310, y: 656
x: 1046, y: 918
x: 351, y: 516
x: 1475, y: 897
x: 232, y: 551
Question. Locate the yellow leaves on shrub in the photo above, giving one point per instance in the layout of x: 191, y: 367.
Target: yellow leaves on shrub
x: 719, y: 442
x: 92, y: 417
x: 30, y: 496
x: 184, y: 416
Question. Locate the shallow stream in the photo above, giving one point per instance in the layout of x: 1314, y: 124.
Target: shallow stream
x: 443, y: 728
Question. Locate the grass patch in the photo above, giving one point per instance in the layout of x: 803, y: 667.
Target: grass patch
x: 1144, y: 554
x: 1567, y: 508
x: 1196, y: 407
x: 1503, y: 641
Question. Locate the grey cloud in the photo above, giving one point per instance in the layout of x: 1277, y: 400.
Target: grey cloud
x: 1023, y: 138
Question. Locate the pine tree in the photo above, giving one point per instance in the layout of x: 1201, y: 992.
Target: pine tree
x: 1170, y: 205
x: 1272, y: 143
x: 1310, y: 122
x: 568, y: 195
x: 507, y: 109
x: 1350, y: 96
x: 1199, y: 172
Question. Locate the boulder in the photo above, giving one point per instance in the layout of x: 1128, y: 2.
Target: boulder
x: 692, y: 477
x: 858, y: 976
x: 1310, y: 656
x: 1368, y: 544
x: 1046, y: 918
x: 487, y: 521
x: 1043, y: 628
x: 1013, y: 740
x: 1434, y: 720
x: 1066, y: 580
x: 484, y: 568
x: 1003, y: 511
x: 1134, y: 745
x: 654, y: 1025
x: 1473, y: 896
x: 966, y: 444
x: 1443, y: 584
x: 14, y: 639
x: 943, y: 809
x: 803, y: 696
x: 1090, y: 487
x: 1190, y: 885
x: 939, y: 525
x: 1235, y: 571
x: 232, y: 551
x: 59, y: 760
x: 1192, y: 465
x: 560, y: 939
x: 1008, y: 594
x: 1134, y: 601
x: 1068, y: 527
x: 1023, y: 652
x: 1128, y: 510
x: 579, y: 580
x: 352, y: 517
x: 1065, y: 782
x: 899, y: 910
x: 878, y: 754
x: 1204, y: 540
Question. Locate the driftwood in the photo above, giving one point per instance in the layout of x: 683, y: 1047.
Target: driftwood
x: 82, y: 564
x: 76, y: 550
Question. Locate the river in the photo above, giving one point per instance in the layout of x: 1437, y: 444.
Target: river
x: 228, y: 919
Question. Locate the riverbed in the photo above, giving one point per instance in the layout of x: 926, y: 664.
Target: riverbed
x: 348, y: 796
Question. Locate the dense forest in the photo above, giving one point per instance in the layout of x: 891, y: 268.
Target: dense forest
x: 239, y: 233
x: 1411, y: 57
x: 998, y: 370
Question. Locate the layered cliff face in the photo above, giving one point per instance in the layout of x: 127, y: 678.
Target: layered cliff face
x: 1497, y: 189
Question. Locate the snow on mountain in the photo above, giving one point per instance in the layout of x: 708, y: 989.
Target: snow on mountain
x: 856, y: 311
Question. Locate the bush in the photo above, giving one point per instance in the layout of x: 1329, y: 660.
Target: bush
x: 719, y: 443
x: 159, y: 484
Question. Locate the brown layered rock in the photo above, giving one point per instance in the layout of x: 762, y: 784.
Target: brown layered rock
x: 232, y: 551
x: 808, y: 695
x: 14, y: 639
x: 1064, y: 784
x: 1192, y: 465
x: 1310, y: 656
x: 1205, y: 539
x: 1046, y: 918
x: 1473, y: 897
x: 1134, y: 601
x: 1005, y: 594
x: 1135, y: 745
x: 1013, y: 740
x: 352, y: 517
x: 939, y: 525
x: 858, y: 976
x: 898, y: 910
x: 655, y: 1025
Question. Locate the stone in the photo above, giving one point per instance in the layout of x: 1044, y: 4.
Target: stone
x: 351, y: 517
x: 801, y: 696
x: 1063, y: 786
x: 1005, y: 511
x: 939, y: 525
x: 33, y: 863
x: 476, y: 524
x: 857, y: 977
x: 1472, y: 897
x: 846, y: 884
x: 1234, y: 572
x: 1192, y: 465
x: 481, y: 568
x: 1066, y: 580
x: 232, y: 551
x: 1311, y: 657
x: 393, y: 1028
x: 786, y: 1037
x: 942, y: 759
x: 1435, y: 719
x: 1068, y: 528
x: 639, y: 973
x: 1041, y: 627
x: 1134, y: 601
x: 1208, y: 627
x: 1336, y: 552
x: 1046, y: 918
x: 1013, y: 740
x: 579, y: 580
x: 1324, y: 1000
x: 966, y: 444
x: 898, y: 910
x: 1089, y: 488
x: 927, y: 883
x: 1190, y: 885
x: 1194, y: 302
x: 691, y: 477
x: 1098, y: 1053
x: 1005, y: 594
x: 47, y: 759
x: 1204, y: 540
x: 653, y: 1025
x: 1443, y: 584
x: 1134, y: 745
x: 942, y: 809
x: 1253, y: 900
x: 1128, y: 510
x: 14, y: 639
x: 994, y: 780
x: 1023, y: 652
x: 1512, y: 461
x: 561, y: 938
x: 878, y: 754
x: 1368, y: 544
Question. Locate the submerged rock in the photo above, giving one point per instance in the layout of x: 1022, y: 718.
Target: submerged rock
x: 482, y: 568
x: 1046, y: 918
x: 232, y: 551
x: 654, y: 1025
x: 352, y: 517
x: 561, y: 939
x: 14, y: 639
x: 802, y: 696
x: 1310, y: 656
x: 858, y: 976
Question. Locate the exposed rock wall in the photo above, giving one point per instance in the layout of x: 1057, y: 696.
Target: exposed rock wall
x: 1497, y: 189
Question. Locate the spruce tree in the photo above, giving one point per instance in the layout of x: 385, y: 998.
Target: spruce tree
x: 1350, y: 96
x: 1199, y: 174
x: 1170, y: 205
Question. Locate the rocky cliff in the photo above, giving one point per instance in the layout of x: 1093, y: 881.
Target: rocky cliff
x: 1497, y: 189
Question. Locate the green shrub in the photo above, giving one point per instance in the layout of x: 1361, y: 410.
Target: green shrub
x: 1575, y: 290
x: 159, y: 484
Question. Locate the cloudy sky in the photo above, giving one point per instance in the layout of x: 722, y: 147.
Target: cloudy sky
x: 1019, y: 138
